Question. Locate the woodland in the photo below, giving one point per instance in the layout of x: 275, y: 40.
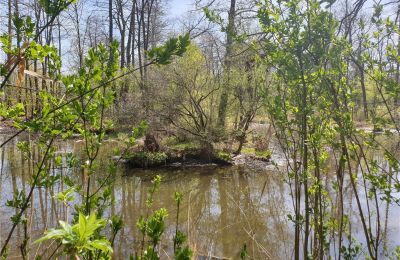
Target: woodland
x: 307, y: 91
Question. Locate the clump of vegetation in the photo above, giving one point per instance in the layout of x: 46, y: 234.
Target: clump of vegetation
x: 261, y: 154
x: 144, y: 159
x: 81, y: 239
x: 225, y: 156
x: 266, y: 154
x: 152, y: 228
x: 175, y: 144
x: 84, y: 238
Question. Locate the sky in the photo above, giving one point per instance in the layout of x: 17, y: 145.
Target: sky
x: 179, y: 7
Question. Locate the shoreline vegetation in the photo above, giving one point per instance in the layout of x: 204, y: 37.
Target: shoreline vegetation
x: 167, y: 152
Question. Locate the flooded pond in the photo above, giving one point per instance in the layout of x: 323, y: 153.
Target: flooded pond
x: 223, y: 207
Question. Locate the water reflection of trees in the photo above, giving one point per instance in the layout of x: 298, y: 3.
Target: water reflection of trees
x: 223, y: 209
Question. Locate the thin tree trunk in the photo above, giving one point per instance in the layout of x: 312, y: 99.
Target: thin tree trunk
x: 364, y: 92
x: 123, y: 46
x: 9, y: 26
x: 139, y: 18
x: 131, y: 36
x: 121, y: 24
x: 144, y: 4
x: 78, y: 33
x: 110, y: 28
x: 16, y: 14
x: 304, y: 134
x: 227, y: 63
x: 397, y: 97
x: 361, y: 70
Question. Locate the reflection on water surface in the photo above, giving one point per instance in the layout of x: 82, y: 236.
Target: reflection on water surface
x: 223, y: 208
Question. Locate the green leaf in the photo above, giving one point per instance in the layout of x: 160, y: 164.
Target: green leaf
x: 162, y: 55
x: 102, y: 245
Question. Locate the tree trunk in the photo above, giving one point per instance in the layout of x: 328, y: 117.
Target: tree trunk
x: 139, y: 19
x: 131, y: 36
x: 78, y: 34
x: 110, y: 27
x: 360, y: 67
x: 222, y: 108
x: 144, y: 3
x: 16, y: 14
x: 9, y: 26
x: 364, y: 92
x: 397, y: 97
x: 121, y: 24
x: 123, y: 46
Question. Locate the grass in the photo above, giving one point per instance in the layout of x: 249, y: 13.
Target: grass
x: 172, y: 143
x: 251, y: 151
x: 264, y: 154
x: 248, y: 150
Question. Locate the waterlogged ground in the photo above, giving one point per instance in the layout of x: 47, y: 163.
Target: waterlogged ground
x: 223, y: 208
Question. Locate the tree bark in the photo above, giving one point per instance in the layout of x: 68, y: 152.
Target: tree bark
x: 131, y: 36
x: 227, y: 63
x: 121, y: 24
x: 397, y: 97
x: 9, y: 26
x: 110, y: 27
x: 78, y: 34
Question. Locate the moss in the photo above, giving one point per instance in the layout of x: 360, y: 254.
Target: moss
x: 185, y: 146
x: 248, y: 150
x: 224, y: 156
x: 264, y: 154
x: 147, y: 159
x: 174, y: 144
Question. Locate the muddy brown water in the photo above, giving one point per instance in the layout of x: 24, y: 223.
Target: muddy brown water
x: 223, y: 207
